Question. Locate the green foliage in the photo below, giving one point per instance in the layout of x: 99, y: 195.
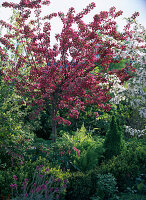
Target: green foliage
x: 80, y: 139
x: 38, y: 148
x: 89, y: 158
x: 101, y: 127
x: 105, y: 186
x: 29, y: 168
x: 85, y: 186
x: 41, y: 125
x: 10, y: 102
x: 88, y: 150
x: 130, y: 116
x: 79, y: 187
x: 77, y: 152
x: 132, y: 197
x: 8, y: 110
x: 122, y: 112
x: 135, y: 120
x: 13, y: 151
x: 128, y: 165
x: 140, y: 184
x: 5, y: 181
x: 113, y: 143
x: 61, y: 153
x: 119, y: 65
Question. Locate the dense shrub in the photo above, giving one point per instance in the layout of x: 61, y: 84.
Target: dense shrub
x: 85, y: 151
x: 128, y: 165
x: 89, y: 158
x: 5, y: 181
x: 83, y: 186
x: 79, y: 187
x: 105, y: 186
x: 10, y: 114
x: 129, y: 115
x: 13, y: 151
x: 128, y: 196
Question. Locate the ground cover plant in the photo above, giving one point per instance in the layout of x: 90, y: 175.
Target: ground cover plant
x: 82, y: 81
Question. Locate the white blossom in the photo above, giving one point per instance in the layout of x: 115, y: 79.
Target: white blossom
x: 135, y: 132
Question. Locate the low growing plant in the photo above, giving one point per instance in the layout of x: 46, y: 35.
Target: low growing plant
x: 41, y: 187
x: 27, y: 171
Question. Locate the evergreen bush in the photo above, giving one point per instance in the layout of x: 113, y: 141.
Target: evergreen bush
x: 113, y: 143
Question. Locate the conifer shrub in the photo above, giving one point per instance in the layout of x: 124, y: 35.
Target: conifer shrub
x: 113, y: 143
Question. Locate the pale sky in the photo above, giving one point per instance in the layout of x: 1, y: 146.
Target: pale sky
x: 127, y: 6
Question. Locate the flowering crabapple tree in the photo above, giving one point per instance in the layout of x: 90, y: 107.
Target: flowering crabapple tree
x: 60, y: 77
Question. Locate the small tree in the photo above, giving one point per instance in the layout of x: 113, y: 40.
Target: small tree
x: 64, y: 83
x: 113, y: 141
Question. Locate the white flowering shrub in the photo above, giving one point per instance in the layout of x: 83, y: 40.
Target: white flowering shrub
x: 116, y: 89
x: 134, y: 132
x: 136, y: 91
x: 136, y: 41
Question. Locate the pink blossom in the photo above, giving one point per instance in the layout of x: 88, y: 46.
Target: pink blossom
x: 15, y: 177
x: 79, y: 153
x: 62, y: 152
x: 75, y: 149
x: 69, y: 151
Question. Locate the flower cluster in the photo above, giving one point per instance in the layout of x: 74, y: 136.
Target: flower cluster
x: 63, y: 121
x: 6, y: 43
x: 3, y: 55
x: 40, y: 187
x: 50, y: 16
x: 116, y: 88
x: 86, y: 10
x: 77, y: 150
x: 134, y: 132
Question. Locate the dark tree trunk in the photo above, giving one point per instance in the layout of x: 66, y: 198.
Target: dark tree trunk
x: 54, y: 124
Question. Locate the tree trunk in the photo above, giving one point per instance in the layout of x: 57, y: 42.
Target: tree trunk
x: 54, y: 124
